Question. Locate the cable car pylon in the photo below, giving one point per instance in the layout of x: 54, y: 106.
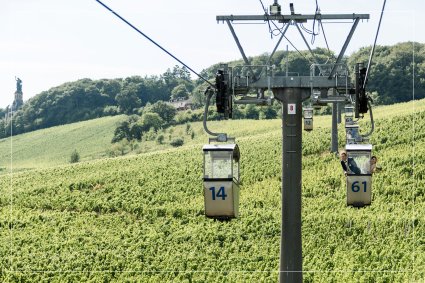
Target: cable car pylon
x: 327, y: 83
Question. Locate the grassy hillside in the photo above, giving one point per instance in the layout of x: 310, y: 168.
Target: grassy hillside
x: 140, y: 218
x: 53, y: 146
x: 92, y: 139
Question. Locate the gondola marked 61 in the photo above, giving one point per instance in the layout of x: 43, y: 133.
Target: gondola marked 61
x: 359, y: 190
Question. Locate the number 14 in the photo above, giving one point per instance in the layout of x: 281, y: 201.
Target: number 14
x: 220, y: 193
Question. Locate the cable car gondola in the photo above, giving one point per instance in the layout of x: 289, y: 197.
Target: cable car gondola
x: 221, y: 180
x: 359, y: 174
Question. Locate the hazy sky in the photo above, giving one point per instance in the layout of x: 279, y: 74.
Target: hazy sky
x: 49, y: 42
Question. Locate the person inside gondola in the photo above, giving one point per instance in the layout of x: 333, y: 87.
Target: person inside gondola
x: 374, y: 166
x: 348, y: 164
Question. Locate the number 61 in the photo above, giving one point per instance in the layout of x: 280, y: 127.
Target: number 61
x: 356, y: 188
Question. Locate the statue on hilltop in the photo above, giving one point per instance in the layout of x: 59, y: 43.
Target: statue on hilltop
x: 19, y: 96
x: 18, y: 85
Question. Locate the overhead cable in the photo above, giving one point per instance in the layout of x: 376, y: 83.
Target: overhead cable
x: 159, y: 46
x: 313, y: 36
x: 281, y: 31
x: 267, y: 15
x: 373, y: 47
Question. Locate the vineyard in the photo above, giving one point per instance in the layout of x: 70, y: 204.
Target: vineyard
x: 140, y: 218
x: 53, y: 146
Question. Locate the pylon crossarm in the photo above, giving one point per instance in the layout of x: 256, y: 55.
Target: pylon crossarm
x: 298, y: 82
x: 240, y: 48
x: 278, y: 43
x: 308, y: 46
x: 344, y: 47
x: 297, y: 18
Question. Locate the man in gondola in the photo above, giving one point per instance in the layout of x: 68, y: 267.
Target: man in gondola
x: 348, y: 164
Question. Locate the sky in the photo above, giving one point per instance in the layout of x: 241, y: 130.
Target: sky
x: 49, y: 42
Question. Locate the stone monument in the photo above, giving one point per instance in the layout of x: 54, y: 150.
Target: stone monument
x: 19, y: 96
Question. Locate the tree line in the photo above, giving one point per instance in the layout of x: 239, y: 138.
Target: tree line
x: 391, y: 81
x: 88, y: 99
